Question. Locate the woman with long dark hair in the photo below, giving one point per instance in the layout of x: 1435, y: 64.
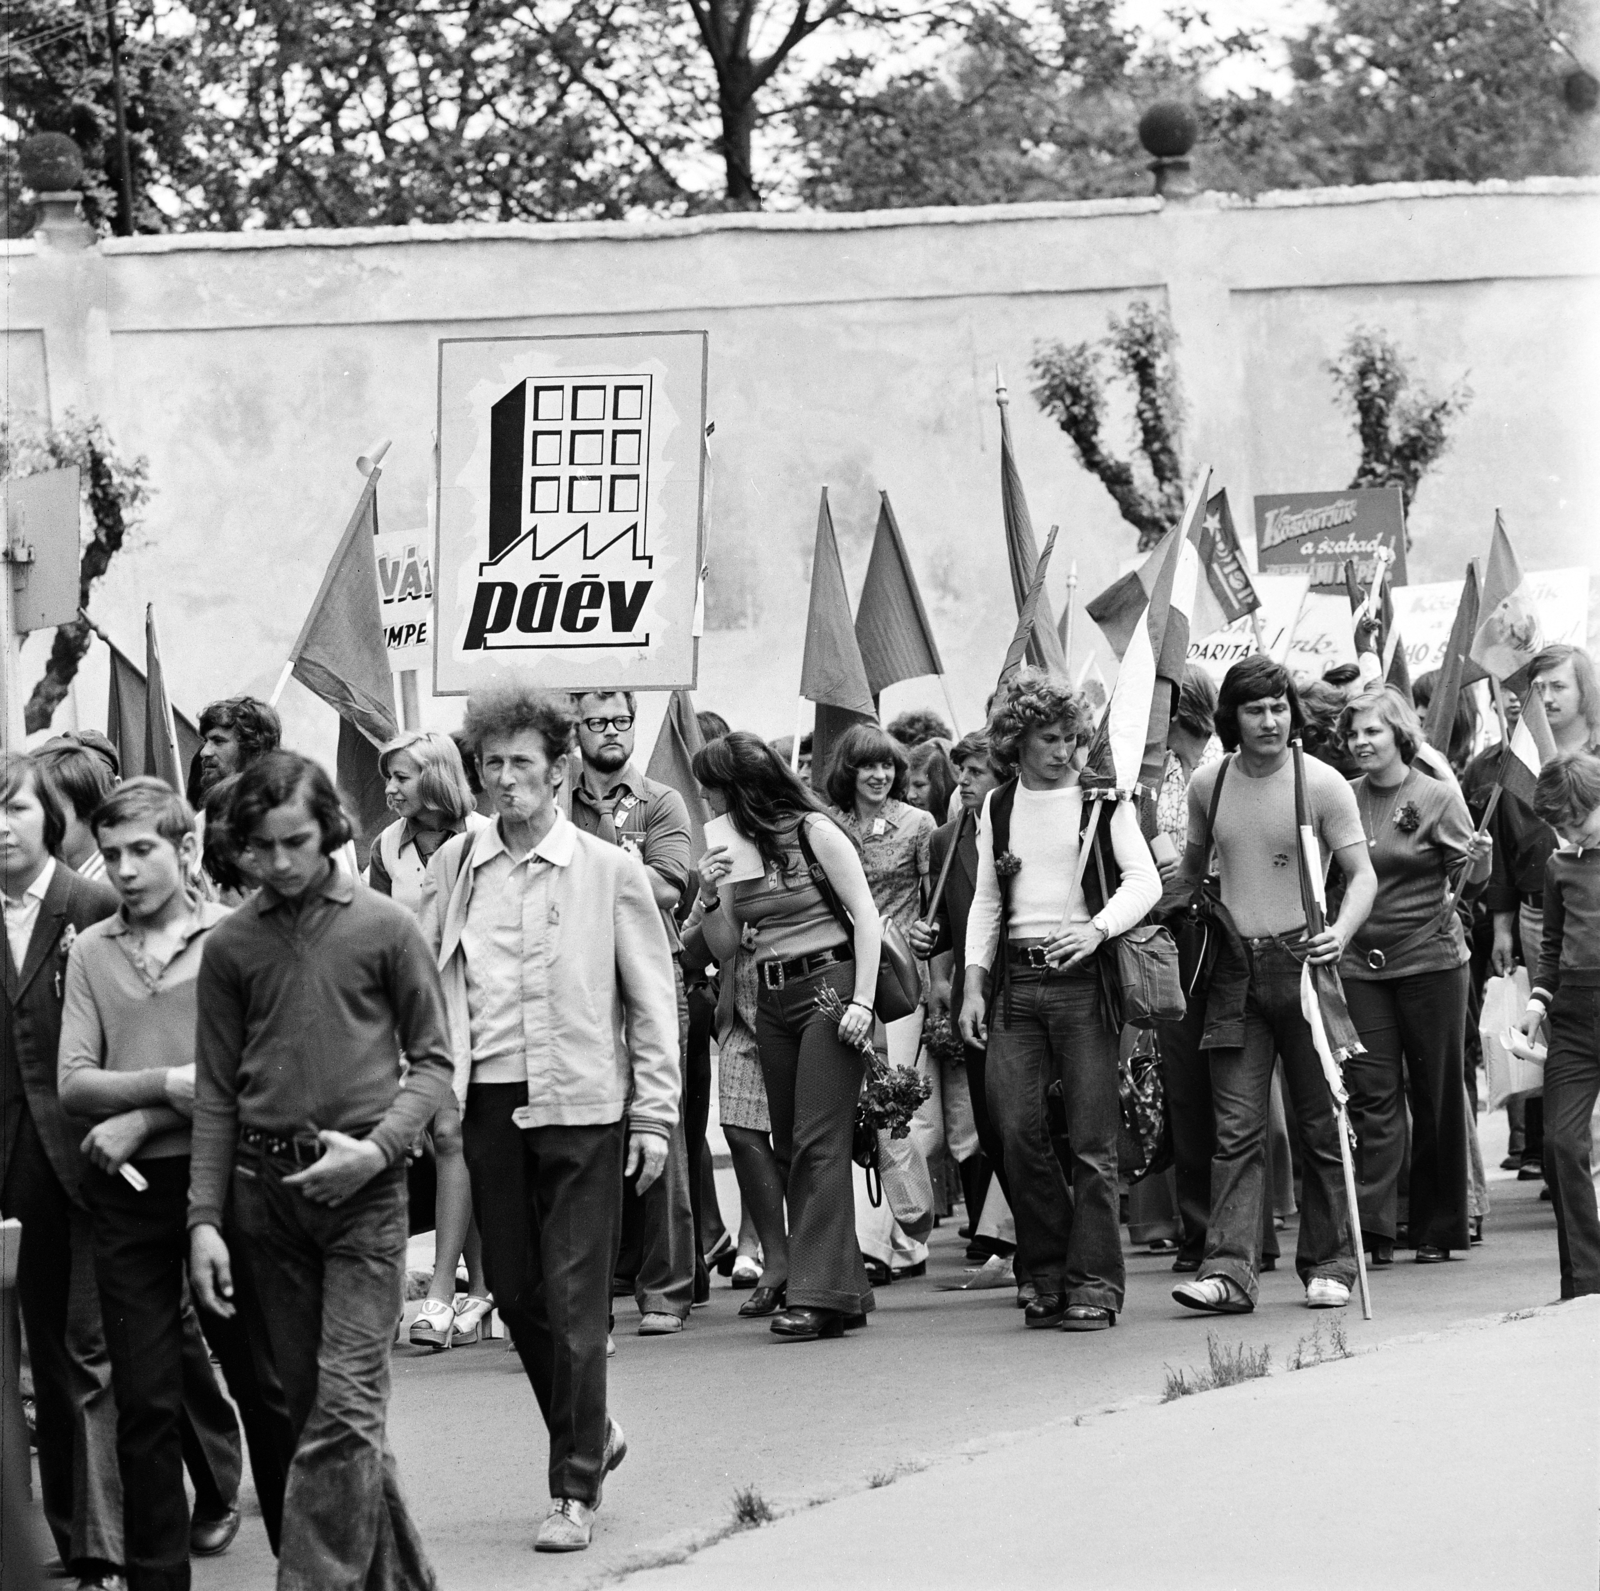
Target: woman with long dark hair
x: 812, y: 1063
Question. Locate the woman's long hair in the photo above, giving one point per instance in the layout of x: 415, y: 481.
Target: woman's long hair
x: 765, y: 797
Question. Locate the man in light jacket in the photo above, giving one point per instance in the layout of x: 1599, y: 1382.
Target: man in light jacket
x: 564, y: 1024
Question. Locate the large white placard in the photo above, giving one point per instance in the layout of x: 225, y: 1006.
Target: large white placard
x: 1425, y: 613
x: 570, y: 474
x: 405, y: 598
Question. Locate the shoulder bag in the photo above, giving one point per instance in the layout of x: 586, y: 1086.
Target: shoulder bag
x: 1146, y: 959
x: 899, y: 990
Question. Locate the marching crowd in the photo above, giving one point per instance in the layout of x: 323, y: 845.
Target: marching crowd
x: 243, y: 1064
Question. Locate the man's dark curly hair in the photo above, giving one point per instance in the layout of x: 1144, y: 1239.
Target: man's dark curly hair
x: 1032, y: 699
x: 274, y: 781
x: 1249, y: 680
x: 255, y: 725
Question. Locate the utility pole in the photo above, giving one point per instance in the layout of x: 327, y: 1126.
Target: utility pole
x: 125, y: 189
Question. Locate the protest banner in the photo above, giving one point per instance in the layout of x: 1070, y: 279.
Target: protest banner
x: 570, y: 499
x: 405, y: 595
x: 1424, y: 613
x: 1316, y: 533
x: 1311, y: 628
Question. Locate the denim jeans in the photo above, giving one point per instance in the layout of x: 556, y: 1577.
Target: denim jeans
x: 1571, y: 1084
x: 1241, y: 1085
x: 331, y: 1284
x: 813, y: 1084
x: 1048, y: 1026
x: 548, y: 1208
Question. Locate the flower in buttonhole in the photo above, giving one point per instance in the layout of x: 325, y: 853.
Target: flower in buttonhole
x: 1408, y: 820
x: 1007, y: 864
x: 68, y: 940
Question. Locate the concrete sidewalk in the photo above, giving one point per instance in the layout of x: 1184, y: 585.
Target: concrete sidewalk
x: 1467, y: 1458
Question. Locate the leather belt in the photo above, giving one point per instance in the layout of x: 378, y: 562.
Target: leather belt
x: 1535, y: 900
x: 774, y: 974
x: 301, y: 1150
x: 1029, y: 954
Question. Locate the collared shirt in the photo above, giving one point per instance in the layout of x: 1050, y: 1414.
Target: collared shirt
x: 648, y: 817
x: 303, y: 1011
x: 22, y: 912
x: 509, y: 918
x: 125, y: 1011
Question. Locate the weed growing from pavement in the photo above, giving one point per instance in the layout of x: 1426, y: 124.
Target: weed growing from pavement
x: 884, y: 1477
x: 750, y: 1509
x: 1313, y: 1350
x: 1228, y: 1367
x: 1519, y: 1314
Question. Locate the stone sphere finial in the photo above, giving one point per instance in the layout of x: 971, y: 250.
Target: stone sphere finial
x: 50, y: 163
x: 1168, y: 130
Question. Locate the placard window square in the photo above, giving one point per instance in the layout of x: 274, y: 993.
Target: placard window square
x: 628, y: 404
x: 625, y: 447
x: 588, y: 447
x: 624, y: 494
x: 588, y: 403
x: 583, y: 494
x: 547, y: 450
x: 547, y: 403
x: 546, y: 497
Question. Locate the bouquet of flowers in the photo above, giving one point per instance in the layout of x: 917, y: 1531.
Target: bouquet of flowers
x: 892, y: 1094
x: 941, y: 1040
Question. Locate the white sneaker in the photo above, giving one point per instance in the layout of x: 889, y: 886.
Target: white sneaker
x: 1323, y: 1292
x: 568, y: 1527
x: 1215, y: 1295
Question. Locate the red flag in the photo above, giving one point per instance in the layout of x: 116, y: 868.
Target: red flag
x: 361, y: 785
x: 126, y: 713
x: 1531, y: 746
x: 892, y: 626
x: 1457, y: 670
x: 1030, y: 608
x: 671, y: 763
x: 162, y: 759
x: 1022, y: 551
x: 340, y: 654
x: 1508, y: 633
x: 832, y: 674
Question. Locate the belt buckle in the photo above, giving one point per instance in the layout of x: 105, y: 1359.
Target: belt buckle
x: 1036, y: 958
x: 772, y: 975
x: 1376, y: 960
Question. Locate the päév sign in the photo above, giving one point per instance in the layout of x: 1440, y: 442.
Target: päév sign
x: 570, y: 501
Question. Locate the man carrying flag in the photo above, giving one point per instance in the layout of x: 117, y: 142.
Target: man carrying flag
x: 1244, y: 807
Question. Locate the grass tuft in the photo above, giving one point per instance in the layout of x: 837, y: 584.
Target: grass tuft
x: 1313, y: 1350
x: 1227, y: 1368
x: 750, y: 1509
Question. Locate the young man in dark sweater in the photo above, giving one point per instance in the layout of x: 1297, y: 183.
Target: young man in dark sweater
x: 306, y: 997
x: 1567, y: 990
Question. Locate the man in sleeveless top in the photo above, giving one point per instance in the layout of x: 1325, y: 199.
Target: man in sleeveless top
x: 615, y: 802
x: 1255, y: 836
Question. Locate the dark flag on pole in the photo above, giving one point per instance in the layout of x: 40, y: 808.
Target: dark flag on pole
x: 1022, y: 551
x: 1457, y: 671
x: 162, y: 759
x: 361, y: 785
x: 340, y: 654
x: 126, y: 717
x: 1019, y: 648
x: 832, y: 674
x: 671, y: 763
x: 892, y: 626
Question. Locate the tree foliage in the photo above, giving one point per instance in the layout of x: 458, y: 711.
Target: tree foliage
x: 1071, y: 389
x: 1403, y: 430
x: 112, y: 492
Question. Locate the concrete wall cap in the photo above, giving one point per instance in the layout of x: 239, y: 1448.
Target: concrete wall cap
x: 653, y: 230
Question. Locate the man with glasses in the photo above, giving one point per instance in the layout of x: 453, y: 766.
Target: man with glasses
x: 613, y: 800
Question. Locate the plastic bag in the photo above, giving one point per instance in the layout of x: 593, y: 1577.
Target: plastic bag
x: 903, y: 1175
x: 1504, y: 1001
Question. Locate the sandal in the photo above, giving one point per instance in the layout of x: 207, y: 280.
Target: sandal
x: 434, y: 1326
x: 471, y: 1319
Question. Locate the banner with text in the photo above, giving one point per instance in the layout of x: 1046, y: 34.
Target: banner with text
x: 1317, y: 533
x: 1312, y: 630
x: 405, y: 598
x: 570, y: 496
x: 1424, y: 614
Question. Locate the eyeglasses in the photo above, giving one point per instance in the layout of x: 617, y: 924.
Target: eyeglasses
x: 598, y: 726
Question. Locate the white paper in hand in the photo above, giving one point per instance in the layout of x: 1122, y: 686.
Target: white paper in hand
x: 747, y: 863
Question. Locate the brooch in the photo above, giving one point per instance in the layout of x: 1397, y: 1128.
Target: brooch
x: 1408, y: 820
x: 1007, y: 864
x: 68, y: 940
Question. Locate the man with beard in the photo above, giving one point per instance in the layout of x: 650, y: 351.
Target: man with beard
x: 613, y: 800
x: 234, y: 733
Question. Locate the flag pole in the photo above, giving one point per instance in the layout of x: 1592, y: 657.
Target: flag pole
x: 794, y: 751
x: 283, y: 680
x: 950, y: 705
x: 944, y: 871
x: 1261, y: 639
x: 1316, y: 921
x: 1068, y: 616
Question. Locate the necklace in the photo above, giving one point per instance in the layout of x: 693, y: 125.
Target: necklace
x: 1375, y: 815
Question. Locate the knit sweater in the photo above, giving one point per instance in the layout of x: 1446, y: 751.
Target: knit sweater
x: 1569, y: 955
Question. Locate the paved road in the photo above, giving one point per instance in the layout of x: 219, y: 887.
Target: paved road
x: 726, y: 1405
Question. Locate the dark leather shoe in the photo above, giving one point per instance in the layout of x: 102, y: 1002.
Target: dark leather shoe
x: 1186, y: 1262
x: 764, y: 1301
x: 1088, y: 1317
x: 1046, y: 1310
x: 806, y: 1325
x: 1432, y: 1254
x: 209, y: 1537
x: 1382, y: 1251
x: 854, y: 1322
x: 912, y: 1272
x: 879, y: 1274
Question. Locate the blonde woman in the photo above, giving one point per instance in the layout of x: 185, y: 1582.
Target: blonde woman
x: 426, y: 788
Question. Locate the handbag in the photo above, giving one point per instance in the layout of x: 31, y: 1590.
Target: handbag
x: 899, y: 990
x: 1146, y: 960
x: 1144, y: 1138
